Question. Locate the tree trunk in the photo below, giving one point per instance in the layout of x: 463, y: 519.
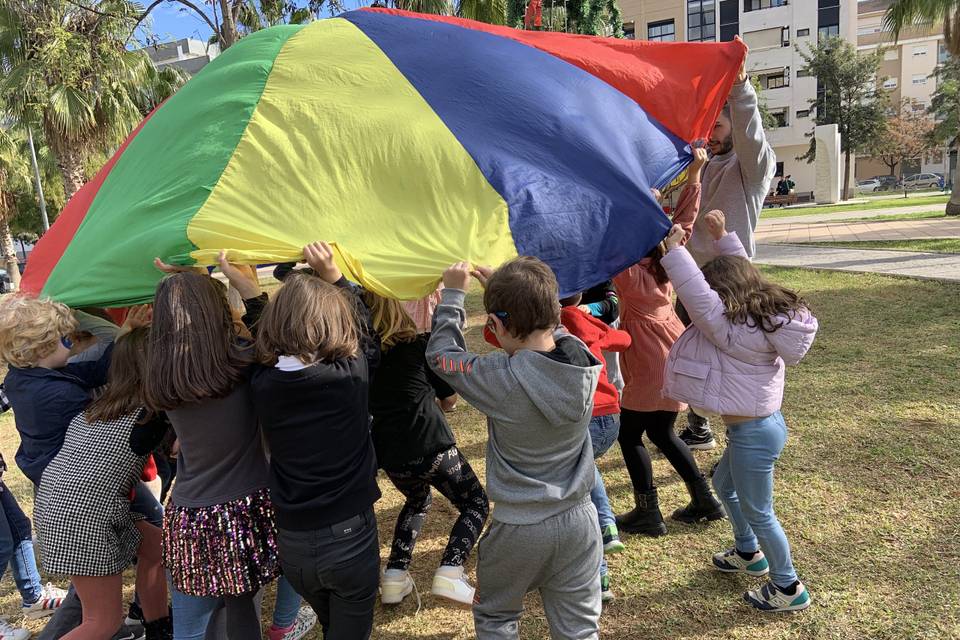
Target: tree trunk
x: 229, y: 28
x: 846, y: 176
x: 8, y: 250
x: 70, y: 163
x: 953, y: 206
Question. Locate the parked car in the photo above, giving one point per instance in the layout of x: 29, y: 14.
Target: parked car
x: 922, y: 181
x: 868, y: 186
x: 887, y: 183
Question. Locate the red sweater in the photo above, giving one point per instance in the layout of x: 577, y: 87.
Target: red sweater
x: 598, y: 337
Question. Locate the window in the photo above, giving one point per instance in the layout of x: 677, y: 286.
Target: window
x: 920, y: 51
x: 890, y: 83
x: 780, y: 115
x: 755, y: 5
x: 779, y: 171
x: 701, y: 20
x: 828, y: 31
x: 628, y: 31
x: 890, y: 54
x: 662, y: 31
x: 774, y: 80
x: 803, y: 32
x: 763, y: 38
x: 729, y: 19
x: 942, y: 54
x: 803, y: 73
x: 919, y: 78
x: 803, y: 113
x: 785, y: 37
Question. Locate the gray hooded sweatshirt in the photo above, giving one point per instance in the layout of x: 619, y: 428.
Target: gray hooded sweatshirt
x: 736, y: 182
x: 538, y: 408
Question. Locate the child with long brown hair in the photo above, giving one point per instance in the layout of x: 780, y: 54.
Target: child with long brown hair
x: 730, y: 361
x: 647, y: 314
x: 84, y: 523
x: 316, y: 353
x: 417, y: 450
x: 219, y: 534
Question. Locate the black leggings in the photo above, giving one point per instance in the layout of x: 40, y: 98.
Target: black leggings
x: 451, y: 474
x: 658, y: 426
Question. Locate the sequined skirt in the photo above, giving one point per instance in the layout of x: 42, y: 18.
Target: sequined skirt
x: 225, y: 549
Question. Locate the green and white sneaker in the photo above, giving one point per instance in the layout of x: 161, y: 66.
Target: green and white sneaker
x: 606, y: 593
x: 611, y: 540
x: 730, y: 561
x: 771, y: 599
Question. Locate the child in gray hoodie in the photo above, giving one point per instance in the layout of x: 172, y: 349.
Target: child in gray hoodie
x: 538, y: 398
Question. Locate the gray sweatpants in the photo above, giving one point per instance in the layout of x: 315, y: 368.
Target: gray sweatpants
x: 559, y: 557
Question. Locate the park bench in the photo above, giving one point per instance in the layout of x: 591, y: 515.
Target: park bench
x: 774, y: 200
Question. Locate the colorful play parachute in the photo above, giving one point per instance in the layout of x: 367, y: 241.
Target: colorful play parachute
x: 408, y: 141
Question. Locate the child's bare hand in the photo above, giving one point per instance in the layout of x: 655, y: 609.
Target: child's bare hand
x: 675, y: 238
x: 585, y: 309
x: 319, y: 255
x: 482, y: 274
x: 137, y: 317
x: 242, y: 277
x: 716, y: 224
x: 457, y: 276
x: 176, y: 268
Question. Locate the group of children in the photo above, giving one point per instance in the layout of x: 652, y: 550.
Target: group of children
x: 280, y: 410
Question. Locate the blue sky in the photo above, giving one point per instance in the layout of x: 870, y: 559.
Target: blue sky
x: 172, y: 21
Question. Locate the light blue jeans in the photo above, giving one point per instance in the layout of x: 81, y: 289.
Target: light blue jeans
x: 224, y: 615
x: 603, y: 433
x: 16, y: 548
x: 743, y: 480
x: 288, y: 605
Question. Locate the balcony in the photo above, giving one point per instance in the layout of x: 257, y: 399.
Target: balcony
x: 910, y: 33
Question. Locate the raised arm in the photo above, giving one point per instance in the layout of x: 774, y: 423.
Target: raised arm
x: 484, y: 381
x: 319, y: 255
x: 688, y: 206
x: 756, y: 157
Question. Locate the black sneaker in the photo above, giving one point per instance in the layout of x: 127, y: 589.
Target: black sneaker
x: 702, y: 441
x: 135, y: 615
x: 130, y: 632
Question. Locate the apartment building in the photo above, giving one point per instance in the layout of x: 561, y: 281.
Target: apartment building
x: 771, y: 28
x: 905, y: 74
x: 187, y: 53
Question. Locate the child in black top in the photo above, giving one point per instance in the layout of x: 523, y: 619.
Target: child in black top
x: 316, y: 354
x: 416, y: 448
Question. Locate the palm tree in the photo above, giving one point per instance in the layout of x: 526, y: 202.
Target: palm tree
x: 14, y: 177
x: 904, y: 14
x: 489, y: 11
x: 65, y: 69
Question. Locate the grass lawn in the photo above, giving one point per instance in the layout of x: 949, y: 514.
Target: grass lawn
x: 868, y: 490
x: 932, y: 245
x: 885, y: 203
x: 893, y: 217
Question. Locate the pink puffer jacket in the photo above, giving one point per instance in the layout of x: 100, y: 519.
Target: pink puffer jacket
x: 722, y: 367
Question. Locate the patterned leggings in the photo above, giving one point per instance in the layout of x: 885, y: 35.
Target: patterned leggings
x: 451, y: 474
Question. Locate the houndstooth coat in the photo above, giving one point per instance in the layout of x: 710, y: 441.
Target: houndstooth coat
x: 82, y: 511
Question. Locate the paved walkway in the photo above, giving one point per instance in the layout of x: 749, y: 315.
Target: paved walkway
x: 914, y: 264
x: 803, y: 230
x: 849, y: 215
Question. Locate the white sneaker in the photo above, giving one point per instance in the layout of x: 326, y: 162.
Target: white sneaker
x: 10, y: 632
x: 306, y: 620
x: 395, y: 585
x: 51, y: 598
x: 456, y: 589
